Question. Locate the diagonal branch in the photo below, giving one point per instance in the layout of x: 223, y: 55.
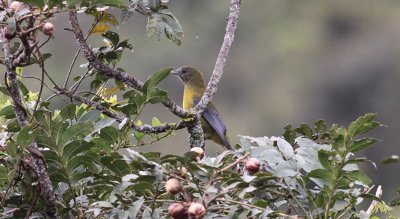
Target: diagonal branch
x: 126, y: 78
x: 118, y: 118
x: 221, y: 60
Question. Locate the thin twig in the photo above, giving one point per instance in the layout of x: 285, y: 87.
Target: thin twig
x: 234, y: 163
x: 221, y: 60
x: 33, y: 204
x: 79, y: 50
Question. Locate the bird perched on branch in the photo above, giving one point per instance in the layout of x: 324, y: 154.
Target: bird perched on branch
x: 211, y: 120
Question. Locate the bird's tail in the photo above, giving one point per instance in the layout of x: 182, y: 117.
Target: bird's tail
x: 227, y: 144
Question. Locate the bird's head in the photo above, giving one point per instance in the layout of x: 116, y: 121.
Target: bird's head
x: 188, y: 74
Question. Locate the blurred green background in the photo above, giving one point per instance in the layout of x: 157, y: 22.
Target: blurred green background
x: 293, y: 61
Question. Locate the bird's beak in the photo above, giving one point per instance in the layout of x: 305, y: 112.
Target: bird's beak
x: 174, y: 72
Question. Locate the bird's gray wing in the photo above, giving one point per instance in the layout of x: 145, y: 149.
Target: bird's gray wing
x: 214, y: 119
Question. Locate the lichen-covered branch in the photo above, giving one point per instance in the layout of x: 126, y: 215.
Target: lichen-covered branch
x: 37, y: 163
x: 113, y: 73
x: 223, y: 54
x: 196, y: 137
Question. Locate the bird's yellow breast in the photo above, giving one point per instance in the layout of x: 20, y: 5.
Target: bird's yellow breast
x: 189, y: 94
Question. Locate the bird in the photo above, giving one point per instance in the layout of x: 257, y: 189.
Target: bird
x: 211, y: 120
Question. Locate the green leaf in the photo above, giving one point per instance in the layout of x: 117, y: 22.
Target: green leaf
x: 261, y: 203
x: 77, y: 130
x: 75, y: 147
x: 128, y: 109
x: 39, y: 3
x: 156, y: 95
x: 155, y: 78
x: 92, y: 115
x: 23, y: 88
x: 109, y: 134
x: 68, y: 111
x: 362, y: 124
x: 142, y: 186
x: 13, y: 126
x: 134, y: 210
x: 112, y: 36
x: 370, y: 196
x: 46, y: 142
x: 118, y: 166
x: 322, y: 174
x: 4, y: 91
x: 25, y: 137
x: 305, y: 130
x: 362, y: 144
x: 391, y: 159
x: 320, y: 126
x: 156, y: 122
x: 324, y: 158
x: 357, y: 175
x: 172, y: 27
x: 7, y: 112
x: 112, y: 3
x: 395, y: 202
x: 289, y: 134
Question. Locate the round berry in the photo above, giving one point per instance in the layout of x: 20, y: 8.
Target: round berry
x: 177, y: 211
x: 199, y: 151
x: 48, y: 29
x: 196, y: 211
x: 173, y: 186
x: 253, y: 165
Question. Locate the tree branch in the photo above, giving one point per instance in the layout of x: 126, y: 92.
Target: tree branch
x: 118, y: 118
x: 37, y: 162
x: 126, y: 78
x: 221, y: 60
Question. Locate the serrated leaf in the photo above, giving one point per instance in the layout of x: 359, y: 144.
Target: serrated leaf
x: 362, y: 144
x: 362, y: 124
x: 289, y: 134
x: 305, y: 130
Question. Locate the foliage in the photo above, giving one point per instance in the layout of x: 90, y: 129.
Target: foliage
x: 96, y: 171
x: 91, y: 154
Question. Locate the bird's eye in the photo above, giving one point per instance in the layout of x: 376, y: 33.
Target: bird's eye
x: 184, y: 71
